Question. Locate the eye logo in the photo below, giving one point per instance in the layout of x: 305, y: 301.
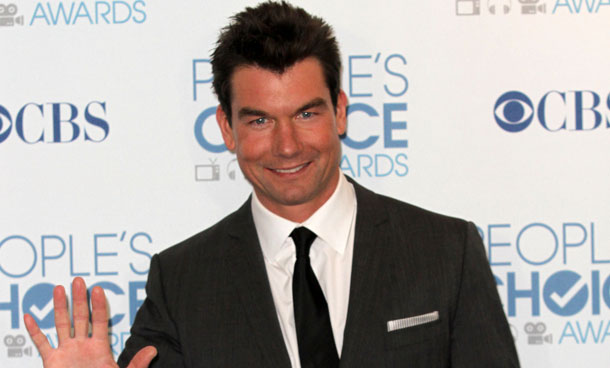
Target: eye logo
x: 4, y: 132
x: 514, y: 111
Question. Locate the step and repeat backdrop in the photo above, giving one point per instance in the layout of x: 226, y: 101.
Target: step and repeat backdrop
x: 493, y: 111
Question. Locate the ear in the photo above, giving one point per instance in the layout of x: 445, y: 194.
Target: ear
x: 225, y: 128
x: 341, y: 115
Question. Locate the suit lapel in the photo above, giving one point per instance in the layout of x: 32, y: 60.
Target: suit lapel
x: 366, y: 275
x: 246, y: 264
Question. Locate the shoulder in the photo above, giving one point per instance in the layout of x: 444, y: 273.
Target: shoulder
x: 405, y: 216
x: 211, y: 242
x: 412, y: 232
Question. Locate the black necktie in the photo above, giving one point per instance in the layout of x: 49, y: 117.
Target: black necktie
x: 314, y: 332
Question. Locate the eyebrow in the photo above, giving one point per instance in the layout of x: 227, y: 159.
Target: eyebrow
x: 316, y: 102
x: 249, y: 111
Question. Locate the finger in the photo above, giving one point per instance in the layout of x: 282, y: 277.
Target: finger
x: 80, y: 308
x: 62, y: 318
x: 99, y: 314
x: 143, y: 358
x: 39, y: 339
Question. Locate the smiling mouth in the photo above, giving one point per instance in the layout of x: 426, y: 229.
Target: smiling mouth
x: 291, y: 170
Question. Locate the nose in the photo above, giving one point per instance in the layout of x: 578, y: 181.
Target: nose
x: 286, y: 141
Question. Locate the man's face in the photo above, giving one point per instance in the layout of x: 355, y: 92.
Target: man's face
x: 285, y: 134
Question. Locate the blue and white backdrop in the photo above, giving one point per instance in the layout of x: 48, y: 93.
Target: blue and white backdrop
x: 494, y: 111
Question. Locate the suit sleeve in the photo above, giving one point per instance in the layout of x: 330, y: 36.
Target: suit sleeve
x: 480, y: 335
x: 154, y: 325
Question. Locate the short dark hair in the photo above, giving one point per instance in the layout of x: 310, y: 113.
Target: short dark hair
x: 274, y: 36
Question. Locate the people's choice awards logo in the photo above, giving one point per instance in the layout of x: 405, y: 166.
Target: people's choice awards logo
x: 529, y: 7
x: 84, y: 12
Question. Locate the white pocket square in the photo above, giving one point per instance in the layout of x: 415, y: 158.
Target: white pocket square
x: 398, y: 324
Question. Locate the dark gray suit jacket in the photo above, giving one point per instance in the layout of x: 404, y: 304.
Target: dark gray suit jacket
x: 209, y: 303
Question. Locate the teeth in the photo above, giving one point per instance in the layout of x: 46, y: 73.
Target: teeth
x: 290, y: 171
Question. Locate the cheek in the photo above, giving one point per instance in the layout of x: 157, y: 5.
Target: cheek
x: 334, y: 152
x: 328, y: 143
x: 249, y: 150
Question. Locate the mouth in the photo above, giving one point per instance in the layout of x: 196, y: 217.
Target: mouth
x: 291, y: 170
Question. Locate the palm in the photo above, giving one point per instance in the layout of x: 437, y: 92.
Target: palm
x: 81, y: 350
x: 87, y: 352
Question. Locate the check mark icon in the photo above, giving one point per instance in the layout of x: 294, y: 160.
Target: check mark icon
x: 562, y: 301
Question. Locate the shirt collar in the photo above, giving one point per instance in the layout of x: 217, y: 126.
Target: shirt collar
x: 332, y: 222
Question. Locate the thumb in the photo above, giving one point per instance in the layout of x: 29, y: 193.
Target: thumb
x: 143, y: 358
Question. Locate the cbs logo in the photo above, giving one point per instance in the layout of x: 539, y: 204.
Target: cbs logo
x: 580, y: 110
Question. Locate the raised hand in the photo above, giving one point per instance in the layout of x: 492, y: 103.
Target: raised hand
x: 81, y: 350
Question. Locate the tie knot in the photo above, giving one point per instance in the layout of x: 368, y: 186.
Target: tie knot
x: 303, y: 238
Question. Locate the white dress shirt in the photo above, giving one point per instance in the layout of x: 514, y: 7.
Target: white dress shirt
x: 330, y: 254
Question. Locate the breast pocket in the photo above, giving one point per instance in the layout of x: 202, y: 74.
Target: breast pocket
x: 410, y: 331
x: 423, y: 345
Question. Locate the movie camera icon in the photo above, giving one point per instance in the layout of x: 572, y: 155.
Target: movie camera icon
x: 15, y: 347
x: 8, y: 16
x: 535, y: 332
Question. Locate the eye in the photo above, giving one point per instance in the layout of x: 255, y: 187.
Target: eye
x: 259, y: 121
x: 306, y: 115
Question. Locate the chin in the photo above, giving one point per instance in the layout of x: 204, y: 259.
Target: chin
x: 294, y: 198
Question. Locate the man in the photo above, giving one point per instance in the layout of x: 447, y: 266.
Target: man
x: 372, y: 282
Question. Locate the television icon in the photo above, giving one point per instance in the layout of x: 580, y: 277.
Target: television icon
x: 207, y: 172
x: 467, y: 7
